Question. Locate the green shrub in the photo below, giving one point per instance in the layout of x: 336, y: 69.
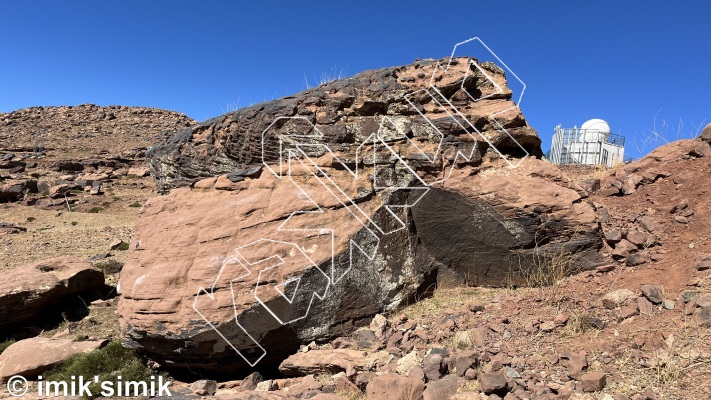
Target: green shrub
x: 122, y: 247
x: 30, y: 219
x: 94, y: 210
x: 4, y: 345
x: 107, y: 363
x: 109, y: 266
x: 74, y: 223
x: 135, y: 204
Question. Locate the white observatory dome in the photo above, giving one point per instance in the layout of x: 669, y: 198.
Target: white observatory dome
x: 593, y: 128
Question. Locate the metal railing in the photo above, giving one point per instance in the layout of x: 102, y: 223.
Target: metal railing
x: 586, y: 146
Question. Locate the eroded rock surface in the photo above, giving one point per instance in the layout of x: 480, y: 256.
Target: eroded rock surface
x: 347, y: 111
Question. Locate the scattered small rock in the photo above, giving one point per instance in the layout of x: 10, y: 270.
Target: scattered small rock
x: 653, y: 293
x: 668, y: 304
x: 640, y: 239
x: 630, y: 310
x: 635, y: 259
x: 574, y: 362
x: 204, y: 387
x: 407, y: 362
x: 464, y: 361
x: 683, y: 204
x: 442, y: 389
x: 703, y: 316
x: 267, y: 386
x: 605, y: 268
x: 704, y: 263
x: 561, y: 319
x: 613, y: 237
x: 706, y: 133
x: 252, y: 380
x: 618, y: 298
x: 493, y: 383
x: 417, y: 372
x: 649, y: 224
x: 432, y: 366
x: 645, y: 306
x: 138, y: 171
x: 395, y: 387
x: 378, y: 325
x: 593, y: 381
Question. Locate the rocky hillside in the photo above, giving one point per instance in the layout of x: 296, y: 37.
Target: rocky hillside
x: 87, y: 161
x: 47, y: 153
x: 86, y: 131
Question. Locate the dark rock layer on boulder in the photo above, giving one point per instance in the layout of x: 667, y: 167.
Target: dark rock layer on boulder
x: 502, y: 225
x: 344, y: 110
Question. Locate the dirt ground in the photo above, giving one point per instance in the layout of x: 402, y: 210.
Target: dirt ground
x: 58, y: 231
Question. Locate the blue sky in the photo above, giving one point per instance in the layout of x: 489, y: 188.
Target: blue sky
x: 623, y: 61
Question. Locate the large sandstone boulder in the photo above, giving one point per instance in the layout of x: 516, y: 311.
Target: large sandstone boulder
x: 29, y: 290
x: 350, y: 214
x: 34, y: 356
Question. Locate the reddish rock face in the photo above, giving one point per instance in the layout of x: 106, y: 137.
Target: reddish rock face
x: 351, y: 214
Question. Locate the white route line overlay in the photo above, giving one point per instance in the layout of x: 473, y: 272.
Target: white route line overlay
x: 300, y: 156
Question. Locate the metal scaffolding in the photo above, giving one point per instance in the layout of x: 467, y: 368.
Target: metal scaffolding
x: 586, y: 146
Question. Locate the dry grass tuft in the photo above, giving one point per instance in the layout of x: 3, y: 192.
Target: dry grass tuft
x: 448, y: 298
x: 546, y: 270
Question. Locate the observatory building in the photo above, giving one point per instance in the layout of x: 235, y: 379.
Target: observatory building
x: 591, y: 144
